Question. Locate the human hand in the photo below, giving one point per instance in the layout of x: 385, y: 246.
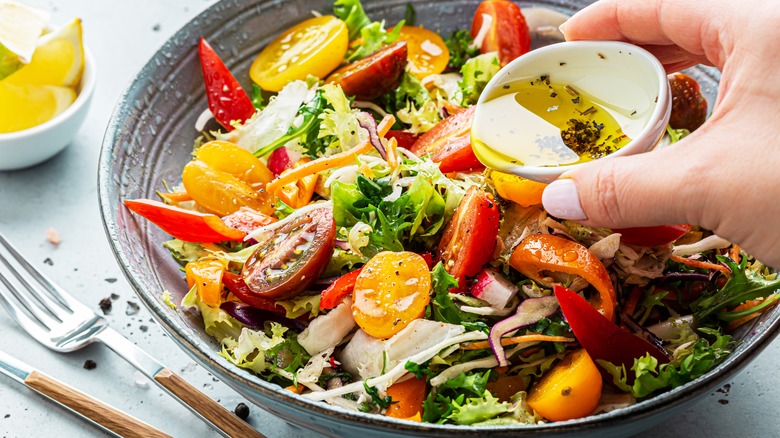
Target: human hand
x: 726, y: 175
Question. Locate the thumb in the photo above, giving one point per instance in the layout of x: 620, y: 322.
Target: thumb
x: 655, y: 188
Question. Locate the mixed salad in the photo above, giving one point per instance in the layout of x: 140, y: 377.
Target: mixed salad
x: 340, y: 239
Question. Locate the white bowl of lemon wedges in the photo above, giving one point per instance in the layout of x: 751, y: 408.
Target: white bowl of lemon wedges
x: 47, y: 77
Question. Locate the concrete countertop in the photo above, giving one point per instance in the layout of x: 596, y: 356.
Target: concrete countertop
x: 62, y: 194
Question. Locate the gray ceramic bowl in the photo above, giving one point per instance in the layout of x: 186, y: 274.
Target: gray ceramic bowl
x: 150, y: 138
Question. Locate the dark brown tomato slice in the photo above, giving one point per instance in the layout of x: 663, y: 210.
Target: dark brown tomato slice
x: 689, y: 107
x: 470, y: 237
x: 373, y: 76
x: 291, y: 257
x: 449, y: 143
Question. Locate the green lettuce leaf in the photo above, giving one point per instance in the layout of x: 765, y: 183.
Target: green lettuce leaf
x: 477, y: 72
x: 185, y: 252
x: 250, y: 349
x: 301, y: 305
x: 651, y: 377
x: 338, y: 120
x: 442, y: 308
x: 410, y: 91
x: 478, y: 409
x: 374, y: 37
x: 218, y: 323
x: 352, y: 14
x: 744, y: 284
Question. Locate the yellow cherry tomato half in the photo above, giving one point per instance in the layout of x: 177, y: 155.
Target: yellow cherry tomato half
x: 220, y: 192
x: 235, y: 160
x: 206, y: 275
x: 517, y: 189
x: 391, y: 291
x: 571, y: 389
x: 427, y: 53
x: 314, y: 47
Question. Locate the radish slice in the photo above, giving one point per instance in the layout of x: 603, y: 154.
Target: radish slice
x: 494, y: 288
x: 528, y: 312
x: 282, y: 159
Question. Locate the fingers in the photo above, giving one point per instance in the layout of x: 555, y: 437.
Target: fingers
x: 656, y: 188
x: 691, y: 27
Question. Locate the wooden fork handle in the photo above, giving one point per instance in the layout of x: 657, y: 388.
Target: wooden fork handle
x: 106, y: 416
x: 205, y: 406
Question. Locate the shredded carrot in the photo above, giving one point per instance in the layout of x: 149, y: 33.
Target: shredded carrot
x: 701, y: 265
x: 391, y: 147
x: 329, y: 162
x: 633, y: 300
x: 748, y: 305
x: 517, y: 340
x: 175, y: 197
x: 295, y: 389
x: 735, y: 253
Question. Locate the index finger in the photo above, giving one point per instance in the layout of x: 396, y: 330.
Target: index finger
x: 682, y: 23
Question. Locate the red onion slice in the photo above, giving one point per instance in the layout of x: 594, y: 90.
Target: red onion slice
x: 367, y: 122
x: 528, y: 312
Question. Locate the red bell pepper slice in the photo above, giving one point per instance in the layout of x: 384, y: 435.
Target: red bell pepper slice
x: 238, y: 287
x: 599, y: 336
x: 338, y: 290
x: 652, y: 236
x: 186, y: 225
x: 227, y: 100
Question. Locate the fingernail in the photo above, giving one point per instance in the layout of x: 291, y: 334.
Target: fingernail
x: 563, y: 27
x: 562, y: 200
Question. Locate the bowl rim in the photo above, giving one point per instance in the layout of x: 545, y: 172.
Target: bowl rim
x: 235, y: 377
x: 657, y: 121
x: 85, y: 91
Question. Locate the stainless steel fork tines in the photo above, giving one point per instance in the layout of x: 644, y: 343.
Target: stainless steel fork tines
x: 60, y: 322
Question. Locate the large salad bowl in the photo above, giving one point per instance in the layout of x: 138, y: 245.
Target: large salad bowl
x: 150, y: 138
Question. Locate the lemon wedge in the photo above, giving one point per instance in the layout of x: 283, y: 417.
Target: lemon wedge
x: 31, y: 105
x: 58, y: 60
x: 20, y: 28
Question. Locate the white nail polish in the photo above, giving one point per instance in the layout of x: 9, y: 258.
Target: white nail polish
x: 562, y: 200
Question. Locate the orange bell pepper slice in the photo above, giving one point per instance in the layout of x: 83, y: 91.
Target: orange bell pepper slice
x: 518, y: 189
x: 206, y: 275
x: 186, y: 225
x: 408, y: 397
x: 545, y: 252
x: 298, y: 193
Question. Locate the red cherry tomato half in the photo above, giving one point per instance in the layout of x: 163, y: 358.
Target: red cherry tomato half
x: 290, y: 258
x: 470, y: 237
x: 508, y: 34
x: 449, y: 143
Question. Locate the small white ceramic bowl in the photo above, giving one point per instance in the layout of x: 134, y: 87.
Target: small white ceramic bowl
x: 37, y: 144
x: 620, y: 74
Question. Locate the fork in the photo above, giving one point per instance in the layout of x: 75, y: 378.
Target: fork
x: 63, y: 324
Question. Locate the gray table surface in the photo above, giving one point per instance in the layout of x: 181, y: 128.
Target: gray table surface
x: 62, y: 194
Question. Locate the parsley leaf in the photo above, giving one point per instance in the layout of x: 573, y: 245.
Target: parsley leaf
x: 461, y: 48
x: 382, y: 402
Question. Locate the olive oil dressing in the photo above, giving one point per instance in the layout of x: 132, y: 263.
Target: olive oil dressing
x: 538, y: 122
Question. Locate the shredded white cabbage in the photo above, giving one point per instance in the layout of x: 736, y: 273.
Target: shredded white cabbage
x: 706, y: 244
x: 387, y: 379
